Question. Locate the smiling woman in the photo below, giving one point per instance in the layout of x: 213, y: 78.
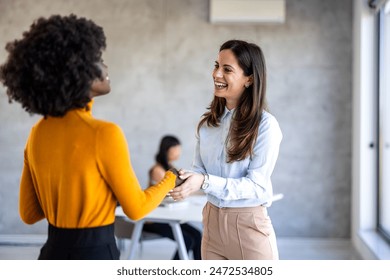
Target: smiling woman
x: 229, y: 78
x: 101, y: 86
x: 76, y: 168
x: 236, y: 151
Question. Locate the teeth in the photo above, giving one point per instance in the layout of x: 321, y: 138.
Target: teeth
x: 220, y: 85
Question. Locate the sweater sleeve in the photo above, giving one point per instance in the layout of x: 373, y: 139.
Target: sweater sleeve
x: 114, y: 163
x: 29, y: 207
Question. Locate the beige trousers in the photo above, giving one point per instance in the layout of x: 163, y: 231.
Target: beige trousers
x: 238, y: 234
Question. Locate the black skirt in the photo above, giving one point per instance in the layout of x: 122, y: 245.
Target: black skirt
x: 96, y: 243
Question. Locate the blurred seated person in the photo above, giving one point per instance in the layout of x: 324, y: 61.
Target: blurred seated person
x: 170, y: 151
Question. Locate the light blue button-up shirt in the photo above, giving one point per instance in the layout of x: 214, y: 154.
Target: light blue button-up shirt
x: 244, y: 183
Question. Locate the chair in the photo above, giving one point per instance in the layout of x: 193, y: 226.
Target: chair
x: 124, y: 229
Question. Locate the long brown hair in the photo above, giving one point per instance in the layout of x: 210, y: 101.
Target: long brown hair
x: 247, y: 116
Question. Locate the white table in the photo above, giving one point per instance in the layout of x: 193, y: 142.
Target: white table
x: 173, y: 214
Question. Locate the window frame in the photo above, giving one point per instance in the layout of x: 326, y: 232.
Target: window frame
x: 383, y: 93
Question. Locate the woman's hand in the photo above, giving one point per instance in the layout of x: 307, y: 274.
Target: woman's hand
x: 179, y: 180
x: 192, y: 183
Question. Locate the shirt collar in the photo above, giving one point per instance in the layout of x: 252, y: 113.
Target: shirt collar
x: 87, y: 109
x: 227, y: 112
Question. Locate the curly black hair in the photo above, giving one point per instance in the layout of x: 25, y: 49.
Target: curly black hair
x: 51, y: 69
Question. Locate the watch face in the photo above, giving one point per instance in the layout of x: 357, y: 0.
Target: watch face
x: 205, y: 182
x: 205, y: 185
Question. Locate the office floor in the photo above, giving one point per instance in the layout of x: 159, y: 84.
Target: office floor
x: 289, y: 249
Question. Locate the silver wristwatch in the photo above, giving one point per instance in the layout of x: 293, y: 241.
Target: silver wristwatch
x: 205, y: 184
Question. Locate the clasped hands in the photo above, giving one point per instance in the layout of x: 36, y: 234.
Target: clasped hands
x: 187, y: 182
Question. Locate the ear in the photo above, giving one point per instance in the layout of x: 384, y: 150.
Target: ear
x: 249, y: 81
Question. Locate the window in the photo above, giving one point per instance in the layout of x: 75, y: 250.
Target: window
x: 384, y: 122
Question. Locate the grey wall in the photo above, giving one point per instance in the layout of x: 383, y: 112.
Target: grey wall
x: 160, y: 56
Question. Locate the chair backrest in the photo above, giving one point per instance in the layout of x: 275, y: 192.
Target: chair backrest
x: 123, y: 227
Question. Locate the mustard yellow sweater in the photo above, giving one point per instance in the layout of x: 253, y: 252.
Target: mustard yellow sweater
x: 76, y: 168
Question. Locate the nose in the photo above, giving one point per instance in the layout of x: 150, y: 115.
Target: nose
x: 218, y: 73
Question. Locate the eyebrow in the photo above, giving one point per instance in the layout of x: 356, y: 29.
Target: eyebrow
x: 225, y: 65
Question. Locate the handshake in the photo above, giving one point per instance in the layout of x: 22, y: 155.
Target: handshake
x: 178, y: 181
x: 193, y: 183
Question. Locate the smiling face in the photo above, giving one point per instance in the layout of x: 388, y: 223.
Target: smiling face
x: 229, y: 78
x: 101, y: 86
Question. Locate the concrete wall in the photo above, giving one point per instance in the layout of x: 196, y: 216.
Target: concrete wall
x: 160, y: 56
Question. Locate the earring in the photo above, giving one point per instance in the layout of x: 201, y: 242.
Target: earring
x: 246, y: 85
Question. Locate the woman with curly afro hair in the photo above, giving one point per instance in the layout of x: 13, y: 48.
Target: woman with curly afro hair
x: 76, y: 168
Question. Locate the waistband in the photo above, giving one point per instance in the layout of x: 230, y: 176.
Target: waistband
x: 81, y: 237
x: 260, y: 208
